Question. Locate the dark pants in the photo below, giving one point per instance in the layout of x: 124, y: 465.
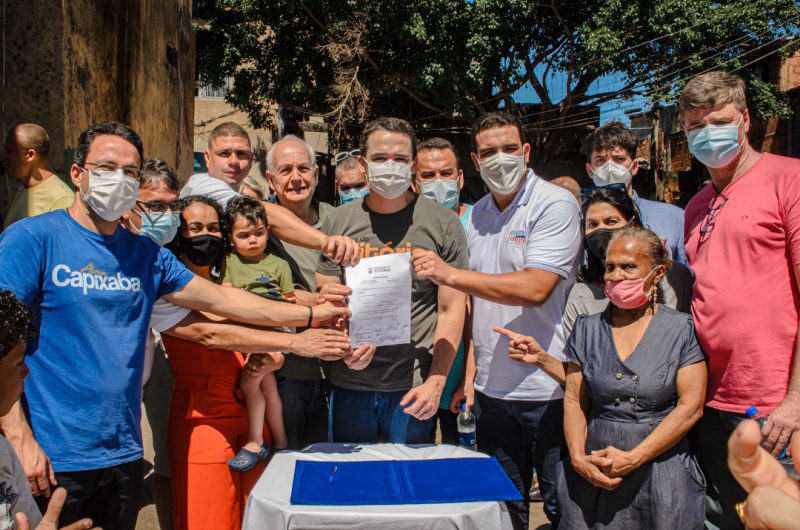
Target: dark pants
x: 523, y: 435
x: 109, y: 496
x: 710, y: 441
x: 448, y: 426
x: 305, y: 411
x: 365, y: 416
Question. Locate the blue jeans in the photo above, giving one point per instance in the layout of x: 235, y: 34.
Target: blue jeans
x: 523, y: 435
x: 364, y: 416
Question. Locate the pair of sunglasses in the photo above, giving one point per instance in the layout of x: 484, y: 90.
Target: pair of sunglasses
x: 620, y: 188
x: 355, y: 153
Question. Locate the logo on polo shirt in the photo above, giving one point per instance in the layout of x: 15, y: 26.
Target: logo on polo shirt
x: 516, y: 237
x: 90, y: 278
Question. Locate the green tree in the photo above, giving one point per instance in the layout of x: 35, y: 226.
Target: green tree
x: 442, y: 62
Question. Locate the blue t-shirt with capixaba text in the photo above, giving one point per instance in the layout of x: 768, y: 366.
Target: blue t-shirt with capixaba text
x: 92, y: 296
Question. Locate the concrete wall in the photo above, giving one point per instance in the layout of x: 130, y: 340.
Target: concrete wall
x: 88, y: 61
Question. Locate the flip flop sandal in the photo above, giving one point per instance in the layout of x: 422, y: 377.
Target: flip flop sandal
x: 245, y: 460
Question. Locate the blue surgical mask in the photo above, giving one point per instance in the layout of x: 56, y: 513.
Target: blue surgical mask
x: 443, y: 191
x: 715, y: 146
x: 352, y: 194
x: 161, y: 228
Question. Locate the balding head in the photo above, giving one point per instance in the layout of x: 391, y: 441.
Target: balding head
x: 31, y: 136
x: 292, y: 172
x: 25, y: 152
x: 569, y: 184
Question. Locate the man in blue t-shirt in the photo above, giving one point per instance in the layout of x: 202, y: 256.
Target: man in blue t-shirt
x: 92, y: 285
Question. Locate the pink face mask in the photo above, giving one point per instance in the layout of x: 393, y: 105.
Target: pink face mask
x: 628, y: 294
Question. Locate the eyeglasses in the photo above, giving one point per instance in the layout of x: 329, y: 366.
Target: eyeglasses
x: 161, y: 207
x: 711, y: 216
x: 132, y: 172
x: 355, y: 153
x: 617, y: 188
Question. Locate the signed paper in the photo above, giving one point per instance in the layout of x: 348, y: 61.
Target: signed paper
x: 381, y: 300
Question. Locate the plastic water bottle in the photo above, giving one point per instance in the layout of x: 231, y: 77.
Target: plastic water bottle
x: 466, y: 429
x: 783, y: 458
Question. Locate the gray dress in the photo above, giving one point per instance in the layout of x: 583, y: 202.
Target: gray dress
x: 628, y: 401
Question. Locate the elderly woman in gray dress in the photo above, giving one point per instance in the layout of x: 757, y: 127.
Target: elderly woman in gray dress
x: 635, y: 385
x: 636, y: 382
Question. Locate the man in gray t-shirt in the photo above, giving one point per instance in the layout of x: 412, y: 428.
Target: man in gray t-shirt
x: 379, y: 400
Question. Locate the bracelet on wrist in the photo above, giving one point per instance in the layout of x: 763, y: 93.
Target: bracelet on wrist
x: 310, y: 316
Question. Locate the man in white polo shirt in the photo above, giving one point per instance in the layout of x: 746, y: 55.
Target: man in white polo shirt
x: 523, y: 241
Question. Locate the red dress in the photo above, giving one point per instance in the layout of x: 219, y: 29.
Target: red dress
x: 207, y: 424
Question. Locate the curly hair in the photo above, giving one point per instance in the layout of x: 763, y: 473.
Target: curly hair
x: 16, y: 322
x: 217, y: 268
x: 609, y: 136
x: 248, y: 208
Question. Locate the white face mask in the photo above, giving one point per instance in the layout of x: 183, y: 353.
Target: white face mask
x: 611, y: 173
x: 502, y: 172
x: 389, y: 179
x: 111, y: 193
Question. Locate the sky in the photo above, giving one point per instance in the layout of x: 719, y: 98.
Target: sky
x: 612, y: 110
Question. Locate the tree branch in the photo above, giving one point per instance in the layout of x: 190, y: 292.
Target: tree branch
x: 537, y: 86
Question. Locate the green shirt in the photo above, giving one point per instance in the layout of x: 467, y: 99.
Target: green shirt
x: 269, y: 277
x: 422, y: 224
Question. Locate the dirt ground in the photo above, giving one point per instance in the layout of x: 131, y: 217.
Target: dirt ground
x: 147, y: 513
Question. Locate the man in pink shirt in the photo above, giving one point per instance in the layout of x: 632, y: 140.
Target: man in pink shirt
x: 742, y: 238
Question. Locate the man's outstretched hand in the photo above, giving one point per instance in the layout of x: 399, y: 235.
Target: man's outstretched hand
x: 50, y: 518
x: 774, y: 497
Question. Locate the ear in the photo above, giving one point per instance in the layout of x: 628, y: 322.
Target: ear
x: 661, y: 271
x: 588, y: 169
x: 270, y: 180
x: 30, y: 155
x: 474, y: 157
x: 206, y: 156
x: 363, y: 165
x: 746, y: 121
x: 526, y: 152
x: 75, y: 175
x: 635, y: 167
x: 460, y: 179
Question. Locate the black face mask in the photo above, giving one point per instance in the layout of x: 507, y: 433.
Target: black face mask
x: 597, y: 241
x: 201, y: 250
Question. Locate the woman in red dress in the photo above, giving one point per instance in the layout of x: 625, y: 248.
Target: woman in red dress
x: 208, y: 418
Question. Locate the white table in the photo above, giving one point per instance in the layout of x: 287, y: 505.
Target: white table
x: 268, y: 507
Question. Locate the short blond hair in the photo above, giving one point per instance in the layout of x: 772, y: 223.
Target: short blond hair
x: 712, y: 89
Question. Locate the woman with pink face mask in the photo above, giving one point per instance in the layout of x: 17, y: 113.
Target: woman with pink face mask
x: 635, y: 385
x: 636, y: 382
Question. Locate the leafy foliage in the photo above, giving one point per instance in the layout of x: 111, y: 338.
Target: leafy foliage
x: 442, y: 62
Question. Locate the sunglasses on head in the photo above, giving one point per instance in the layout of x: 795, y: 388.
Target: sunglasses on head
x: 619, y: 188
x: 346, y: 154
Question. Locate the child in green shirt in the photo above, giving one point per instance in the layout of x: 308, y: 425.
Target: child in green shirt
x: 252, y: 268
